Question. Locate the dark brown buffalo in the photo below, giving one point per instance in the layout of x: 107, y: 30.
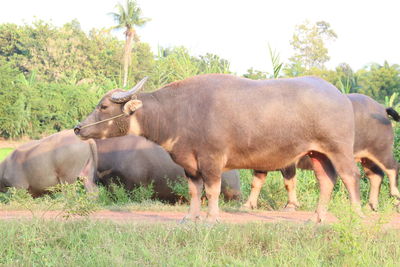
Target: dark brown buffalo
x: 136, y: 160
x: 373, y: 147
x: 58, y: 158
x: 211, y: 123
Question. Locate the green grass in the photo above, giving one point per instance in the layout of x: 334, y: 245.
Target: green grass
x: 94, y: 243
x: 4, y: 152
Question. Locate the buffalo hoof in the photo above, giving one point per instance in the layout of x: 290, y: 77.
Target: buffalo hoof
x: 291, y: 207
x: 359, y: 213
x: 315, y: 219
x: 212, y: 220
x: 397, y: 205
x: 373, y: 207
x: 249, y: 206
x: 245, y: 208
x: 191, y: 219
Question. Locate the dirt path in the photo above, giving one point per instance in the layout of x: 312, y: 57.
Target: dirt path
x: 174, y: 217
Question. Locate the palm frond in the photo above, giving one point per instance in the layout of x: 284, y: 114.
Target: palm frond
x: 275, y: 61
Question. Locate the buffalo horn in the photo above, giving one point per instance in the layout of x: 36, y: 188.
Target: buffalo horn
x: 125, y: 96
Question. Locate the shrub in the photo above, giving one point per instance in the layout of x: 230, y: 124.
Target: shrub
x: 180, y: 188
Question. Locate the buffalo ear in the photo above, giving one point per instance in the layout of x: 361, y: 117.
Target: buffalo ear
x: 131, y: 106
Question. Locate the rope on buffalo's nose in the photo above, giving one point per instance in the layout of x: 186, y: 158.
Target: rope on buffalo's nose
x: 98, y: 122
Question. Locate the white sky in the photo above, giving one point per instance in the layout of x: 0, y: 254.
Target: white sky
x: 238, y: 30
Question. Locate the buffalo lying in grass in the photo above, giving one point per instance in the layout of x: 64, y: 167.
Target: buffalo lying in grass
x: 58, y: 158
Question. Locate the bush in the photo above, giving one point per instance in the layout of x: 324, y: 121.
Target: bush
x: 142, y: 192
x: 74, y: 199
x: 180, y: 188
x: 116, y: 194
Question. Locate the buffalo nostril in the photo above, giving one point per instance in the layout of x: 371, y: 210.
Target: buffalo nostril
x: 77, y: 129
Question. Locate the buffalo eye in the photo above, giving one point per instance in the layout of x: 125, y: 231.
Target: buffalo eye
x: 103, y: 107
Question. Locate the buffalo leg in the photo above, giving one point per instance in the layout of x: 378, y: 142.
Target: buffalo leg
x: 256, y: 185
x: 211, y: 172
x: 212, y: 186
x: 289, y: 175
x: 350, y: 175
x: 195, y: 191
x: 326, y: 175
x: 375, y: 176
x: 88, y: 175
x: 391, y: 167
x: 195, y: 185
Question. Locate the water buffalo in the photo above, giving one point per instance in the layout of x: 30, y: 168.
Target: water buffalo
x: 136, y: 160
x: 373, y: 147
x: 58, y: 158
x: 215, y: 122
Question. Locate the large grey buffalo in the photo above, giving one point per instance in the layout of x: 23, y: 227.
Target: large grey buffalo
x: 373, y: 147
x: 210, y: 123
x: 136, y: 160
x: 58, y: 158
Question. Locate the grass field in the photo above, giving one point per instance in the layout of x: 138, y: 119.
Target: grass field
x: 91, y: 243
x: 4, y: 152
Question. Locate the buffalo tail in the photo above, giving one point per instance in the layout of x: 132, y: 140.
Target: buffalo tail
x: 393, y: 113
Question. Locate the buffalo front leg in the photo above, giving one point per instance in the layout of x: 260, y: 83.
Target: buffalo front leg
x: 195, y: 191
x: 326, y: 175
x: 213, y: 190
x: 289, y: 175
x: 256, y: 185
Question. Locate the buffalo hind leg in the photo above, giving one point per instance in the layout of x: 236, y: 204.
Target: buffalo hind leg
x: 87, y: 175
x: 391, y: 168
x: 375, y: 176
x: 289, y: 175
x: 326, y: 175
x: 256, y: 185
x: 349, y: 173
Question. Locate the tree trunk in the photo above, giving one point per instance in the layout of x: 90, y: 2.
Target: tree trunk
x: 127, y: 54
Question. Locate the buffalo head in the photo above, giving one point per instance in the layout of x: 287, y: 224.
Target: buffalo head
x: 112, y: 116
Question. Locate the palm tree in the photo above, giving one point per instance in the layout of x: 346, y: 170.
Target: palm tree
x: 128, y: 17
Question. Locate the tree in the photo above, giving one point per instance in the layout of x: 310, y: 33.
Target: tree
x: 15, y: 117
x: 347, y: 80
x: 255, y: 74
x: 309, y: 47
x: 211, y: 63
x: 379, y: 81
x: 128, y: 17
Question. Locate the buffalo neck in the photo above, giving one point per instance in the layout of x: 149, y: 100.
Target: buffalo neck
x: 155, y: 118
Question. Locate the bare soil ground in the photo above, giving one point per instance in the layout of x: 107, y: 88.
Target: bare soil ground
x: 175, y: 217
